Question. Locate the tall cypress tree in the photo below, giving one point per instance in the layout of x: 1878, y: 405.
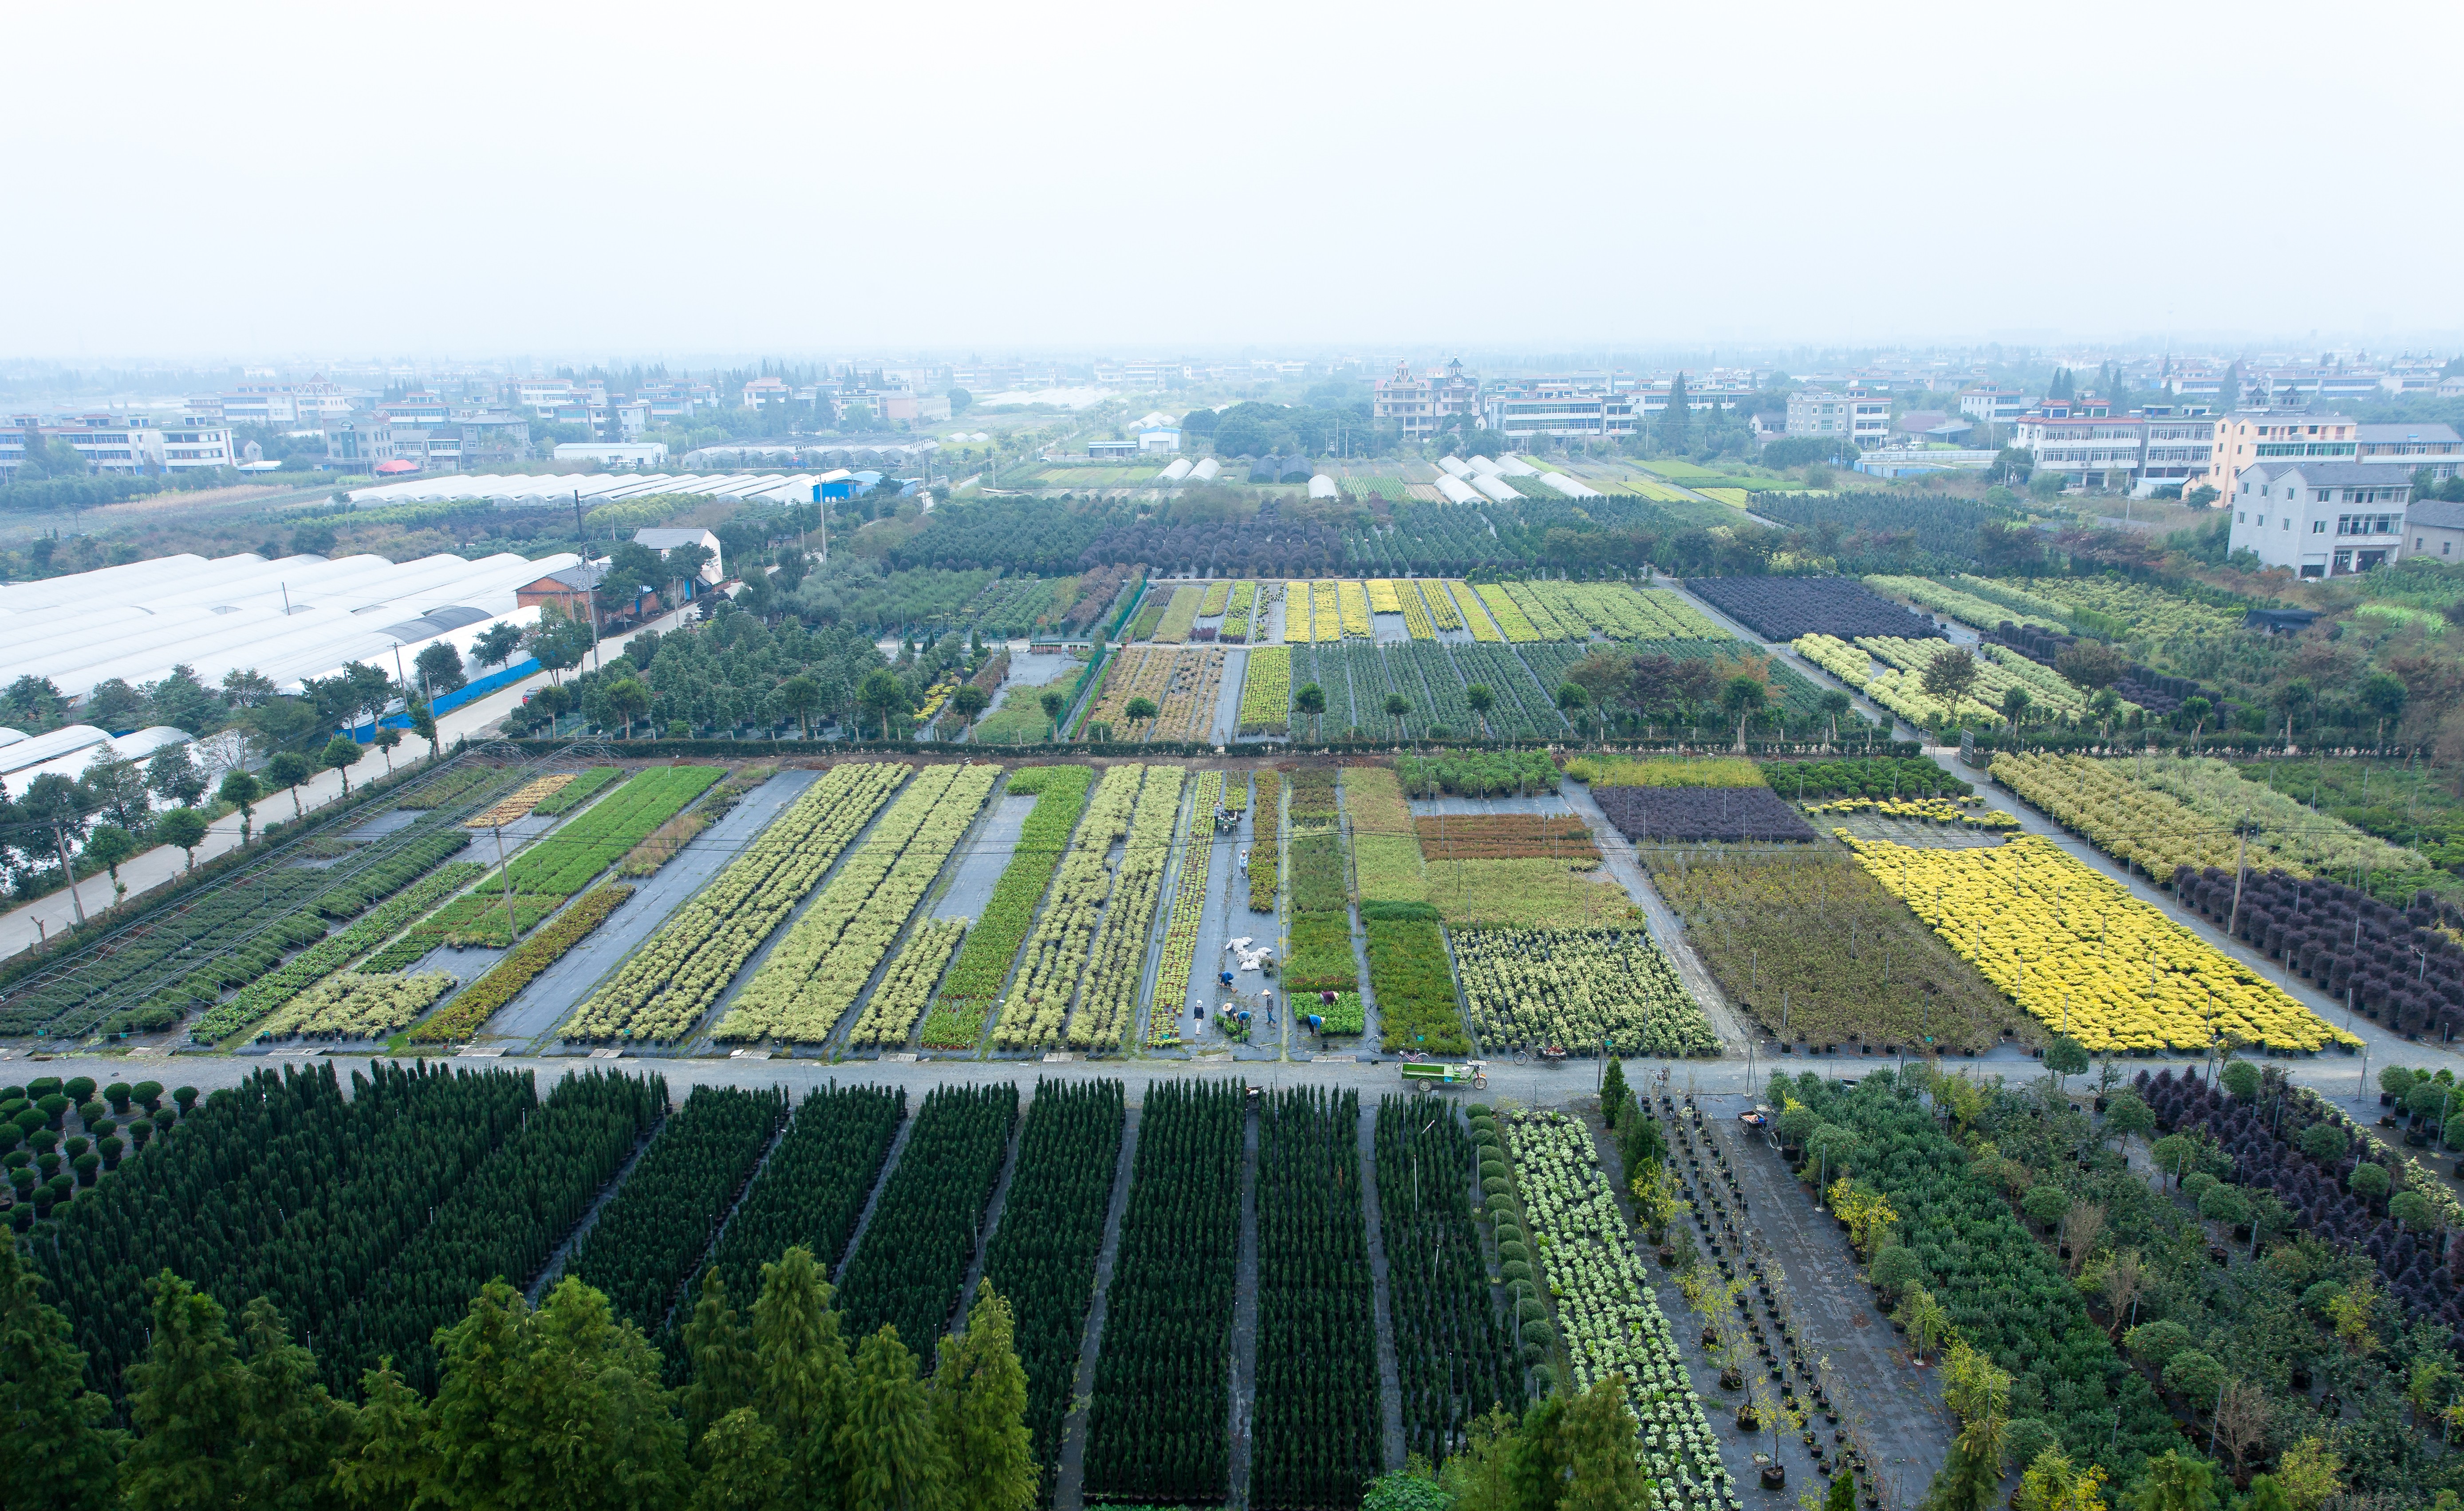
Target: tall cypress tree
x: 54, y: 1453
x: 1612, y: 1091
x: 388, y: 1465
x: 980, y: 1394
x: 744, y: 1469
x: 800, y: 1372
x: 1677, y: 420
x: 292, y: 1428
x: 721, y: 1352
x: 188, y: 1394
x: 888, y: 1446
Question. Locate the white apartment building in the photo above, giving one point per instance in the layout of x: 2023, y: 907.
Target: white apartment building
x: 1859, y: 415
x: 2321, y: 518
x: 1993, y: 403
x: 2412, y: 448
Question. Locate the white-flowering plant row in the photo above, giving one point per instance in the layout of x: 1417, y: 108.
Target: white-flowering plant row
x: 1108, y: 1004
x: 350, y: 1005
x: 1037, y: 1004
x: 663, y: 991
x: 1577, y: 987
x: 896, y: 1004
x: 1606, y: 1311
x: 828, y: 958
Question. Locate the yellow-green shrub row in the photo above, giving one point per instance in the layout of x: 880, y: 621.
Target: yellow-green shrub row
x: 349, y: 1005
x: 822, y: 967
x: 1266, y: 690
x: 1037, y: 1004
x: 899, y: 999
x: 1510, y: 615
x: 1188, y: 909
x: 663, y: 990
x: 1109, y: 1003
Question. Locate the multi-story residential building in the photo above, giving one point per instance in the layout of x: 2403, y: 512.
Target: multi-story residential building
x: 1420, y: 403
x: 1995, y: 404
x: 1859, y: 415
x: 2084, y: 441
x: 185, y: 443
x: 764, y: 392
x: 2288, y: 388
x: 2412, y: 448
x: 2436, y: 529
x: 1556, y: 407
x: 2178, y: 447
x: 259, y: 405
x: 414, y: 409
x: 2318, y: 517
x: 1702, y: 396
x: 2245, y: 436
x: 197, y: 441
x: 459, y: 444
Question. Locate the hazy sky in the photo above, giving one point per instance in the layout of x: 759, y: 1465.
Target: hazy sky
x: 268, y: 181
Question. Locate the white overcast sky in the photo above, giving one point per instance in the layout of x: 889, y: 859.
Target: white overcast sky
x: 515, y: 178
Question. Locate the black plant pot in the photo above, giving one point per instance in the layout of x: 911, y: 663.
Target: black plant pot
x: 1775, y: 1478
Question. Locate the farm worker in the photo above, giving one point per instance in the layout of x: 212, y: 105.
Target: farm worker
x: 1328, y: 997
x: 1225, y: 977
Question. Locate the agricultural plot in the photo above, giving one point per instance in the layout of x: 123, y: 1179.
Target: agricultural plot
x: 1510, y: 619
x: 1438, y: 598
x: 1578, y: 989
x: 1057, y: 951
x: 1238, y: 611
x: 1180, y: 615
x: 505, y: 1221
x: 1364, y: 667
x: 1139, y: 671
x: 1409, y: 977
x: 1453, y: 1360
x: 1385, y: 848
x: 1041, y: 1258
x: 474, y: 1004
x: 2395, y: 964
x: 2166, y: 813
x: 1812, y: 948
x: 651, y: 1237
x: 1890, y: 776
x: 1693, y: 815
x: 2082, y: 956
x: 1179, y: 962
x: 1190, y: 695
x: 1384, y: 598
x: 1266, y: 692
x: 354, y: 1004
x: 974, y: 984
x: 279, y: 987
x: 1966, y: 607
x: 813, y: 1187
x: 1415, y: 610
x: 1219, y: 593
x: 1535, y: 612
x: 1107, y: 1002
x: 517, y: 804
x: 1606, y: 1315
x: 1428, y: 678
x: 921, y: 1239
x: 577, y: 853
x: 1157, y: 1426
x: 2007, y: 1294
x: 1316, y: 1418
x: 890, y: 1013
x: 1267, y: 849
x: 1519, y: 710
x: 286, y: 1191
x: 1319, y: 883
x: 178, y: 961
x: 1475, y: 617
x: 824, y: 964
x: 1782, y: 608
x: 1477, y: 774
x: 662, y: 990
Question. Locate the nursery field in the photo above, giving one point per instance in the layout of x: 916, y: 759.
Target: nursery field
x: 1811, y: 947
x: 1782, y: 608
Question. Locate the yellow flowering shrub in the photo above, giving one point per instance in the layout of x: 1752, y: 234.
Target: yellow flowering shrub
x: 2070, y: 944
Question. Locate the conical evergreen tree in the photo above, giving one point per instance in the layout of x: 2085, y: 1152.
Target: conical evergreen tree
x: 981, y: 1395
x: 721, y: 1351
x: 188, y: 1393
x: 54, y: 1453
x: 888, y: 1447
x: 1613, y: 1092
x: 387, y: 1464
x: 800, y: 1372
x: 292, y: 1427
x: 744, y: 1469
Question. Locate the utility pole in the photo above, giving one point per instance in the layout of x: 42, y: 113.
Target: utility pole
x: 76, y: 904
